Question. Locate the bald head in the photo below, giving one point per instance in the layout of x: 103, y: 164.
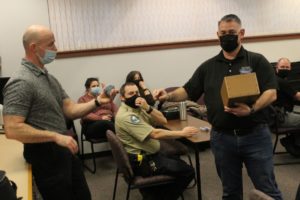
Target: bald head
x: 34, y: 34
x: 283, y: 64
x: 39, y: 40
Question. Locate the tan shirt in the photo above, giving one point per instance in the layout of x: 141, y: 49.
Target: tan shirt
x: 133, y: 127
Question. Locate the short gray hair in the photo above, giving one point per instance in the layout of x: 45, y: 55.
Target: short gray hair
x: 229, y: 18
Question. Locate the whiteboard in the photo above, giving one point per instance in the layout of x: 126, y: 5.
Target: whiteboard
x: 96, y: 24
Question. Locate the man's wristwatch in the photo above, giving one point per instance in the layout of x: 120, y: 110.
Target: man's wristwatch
x: 97, y: 103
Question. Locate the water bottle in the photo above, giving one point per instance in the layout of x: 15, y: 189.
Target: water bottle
x: 182, y: 110
x: 108, y: 89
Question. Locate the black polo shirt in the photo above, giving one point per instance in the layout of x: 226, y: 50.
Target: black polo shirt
x: 285, y: 95
x: 208, y: 79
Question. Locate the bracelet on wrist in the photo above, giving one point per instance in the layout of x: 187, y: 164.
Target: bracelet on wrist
x: 149, y: 110
x: 97, y: 103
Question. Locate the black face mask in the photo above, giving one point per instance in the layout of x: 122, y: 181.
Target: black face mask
x: 137, y: 82
x: 131, y: 101
x: 229, y: 42
x: 283, y: 73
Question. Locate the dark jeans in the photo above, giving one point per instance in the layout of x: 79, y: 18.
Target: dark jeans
x: 97, y: 129
x: 255, y: 151
x: 172, y: 166
x: 57, y: 172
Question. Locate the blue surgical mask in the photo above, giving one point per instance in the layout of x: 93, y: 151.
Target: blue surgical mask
x: 49, y: 56
x: 95, y: 91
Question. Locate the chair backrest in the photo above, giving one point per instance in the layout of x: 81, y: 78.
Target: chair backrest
x: 71, y: 130
x: 70, y: 124
x: 120, y: 156
x: 258, y: 195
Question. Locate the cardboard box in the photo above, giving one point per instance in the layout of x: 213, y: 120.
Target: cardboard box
x: 242, y: 88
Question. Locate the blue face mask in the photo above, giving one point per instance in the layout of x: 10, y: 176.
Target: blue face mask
x: 49, y: 56
x: 95, y: 91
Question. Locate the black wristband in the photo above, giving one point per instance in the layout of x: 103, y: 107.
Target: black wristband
x: 149, y: 110
x: 97, y: 103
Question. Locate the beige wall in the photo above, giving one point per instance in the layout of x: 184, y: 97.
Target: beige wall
x: 159, y: 68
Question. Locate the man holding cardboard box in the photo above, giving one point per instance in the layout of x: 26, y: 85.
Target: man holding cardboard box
x: 240, y: 134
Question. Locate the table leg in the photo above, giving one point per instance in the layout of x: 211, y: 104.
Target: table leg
x: 197, y: 159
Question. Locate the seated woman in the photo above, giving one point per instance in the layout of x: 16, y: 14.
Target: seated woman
x: 137, y: 78
x: 96, y: 123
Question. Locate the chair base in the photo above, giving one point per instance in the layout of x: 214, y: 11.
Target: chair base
x: 288, y: 162
x: 131, y: 187
x: 92, y: 142
x: 92, y: 170
x: 283, y: 152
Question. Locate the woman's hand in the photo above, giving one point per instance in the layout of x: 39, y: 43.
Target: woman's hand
x: 142, y: 84
x: 107, y: 117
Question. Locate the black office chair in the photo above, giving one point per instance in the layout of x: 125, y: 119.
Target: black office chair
x: 124, y: 167
x: 71, y: 130
x: 92, y: 143
x: 275, y: 121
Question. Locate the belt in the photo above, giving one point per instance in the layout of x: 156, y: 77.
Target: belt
x: 240, y: 132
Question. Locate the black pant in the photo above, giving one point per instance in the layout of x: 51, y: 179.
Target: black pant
x: 166, y: 165
x: 97, y: 129
x: 57, y: 172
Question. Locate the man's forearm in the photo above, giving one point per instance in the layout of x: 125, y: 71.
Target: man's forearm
x: 158, y: 117
x: 26, y: 133
x: 16, y: 128
x: 177, y: 95
x: 265, y: 99
x: 74, y: 111
x: 165, y: 134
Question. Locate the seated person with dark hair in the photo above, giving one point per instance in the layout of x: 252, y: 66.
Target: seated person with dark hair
x: 134, y: 124
x: 137, y: 78
x: 96, y: 123
x: 286, y: 97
